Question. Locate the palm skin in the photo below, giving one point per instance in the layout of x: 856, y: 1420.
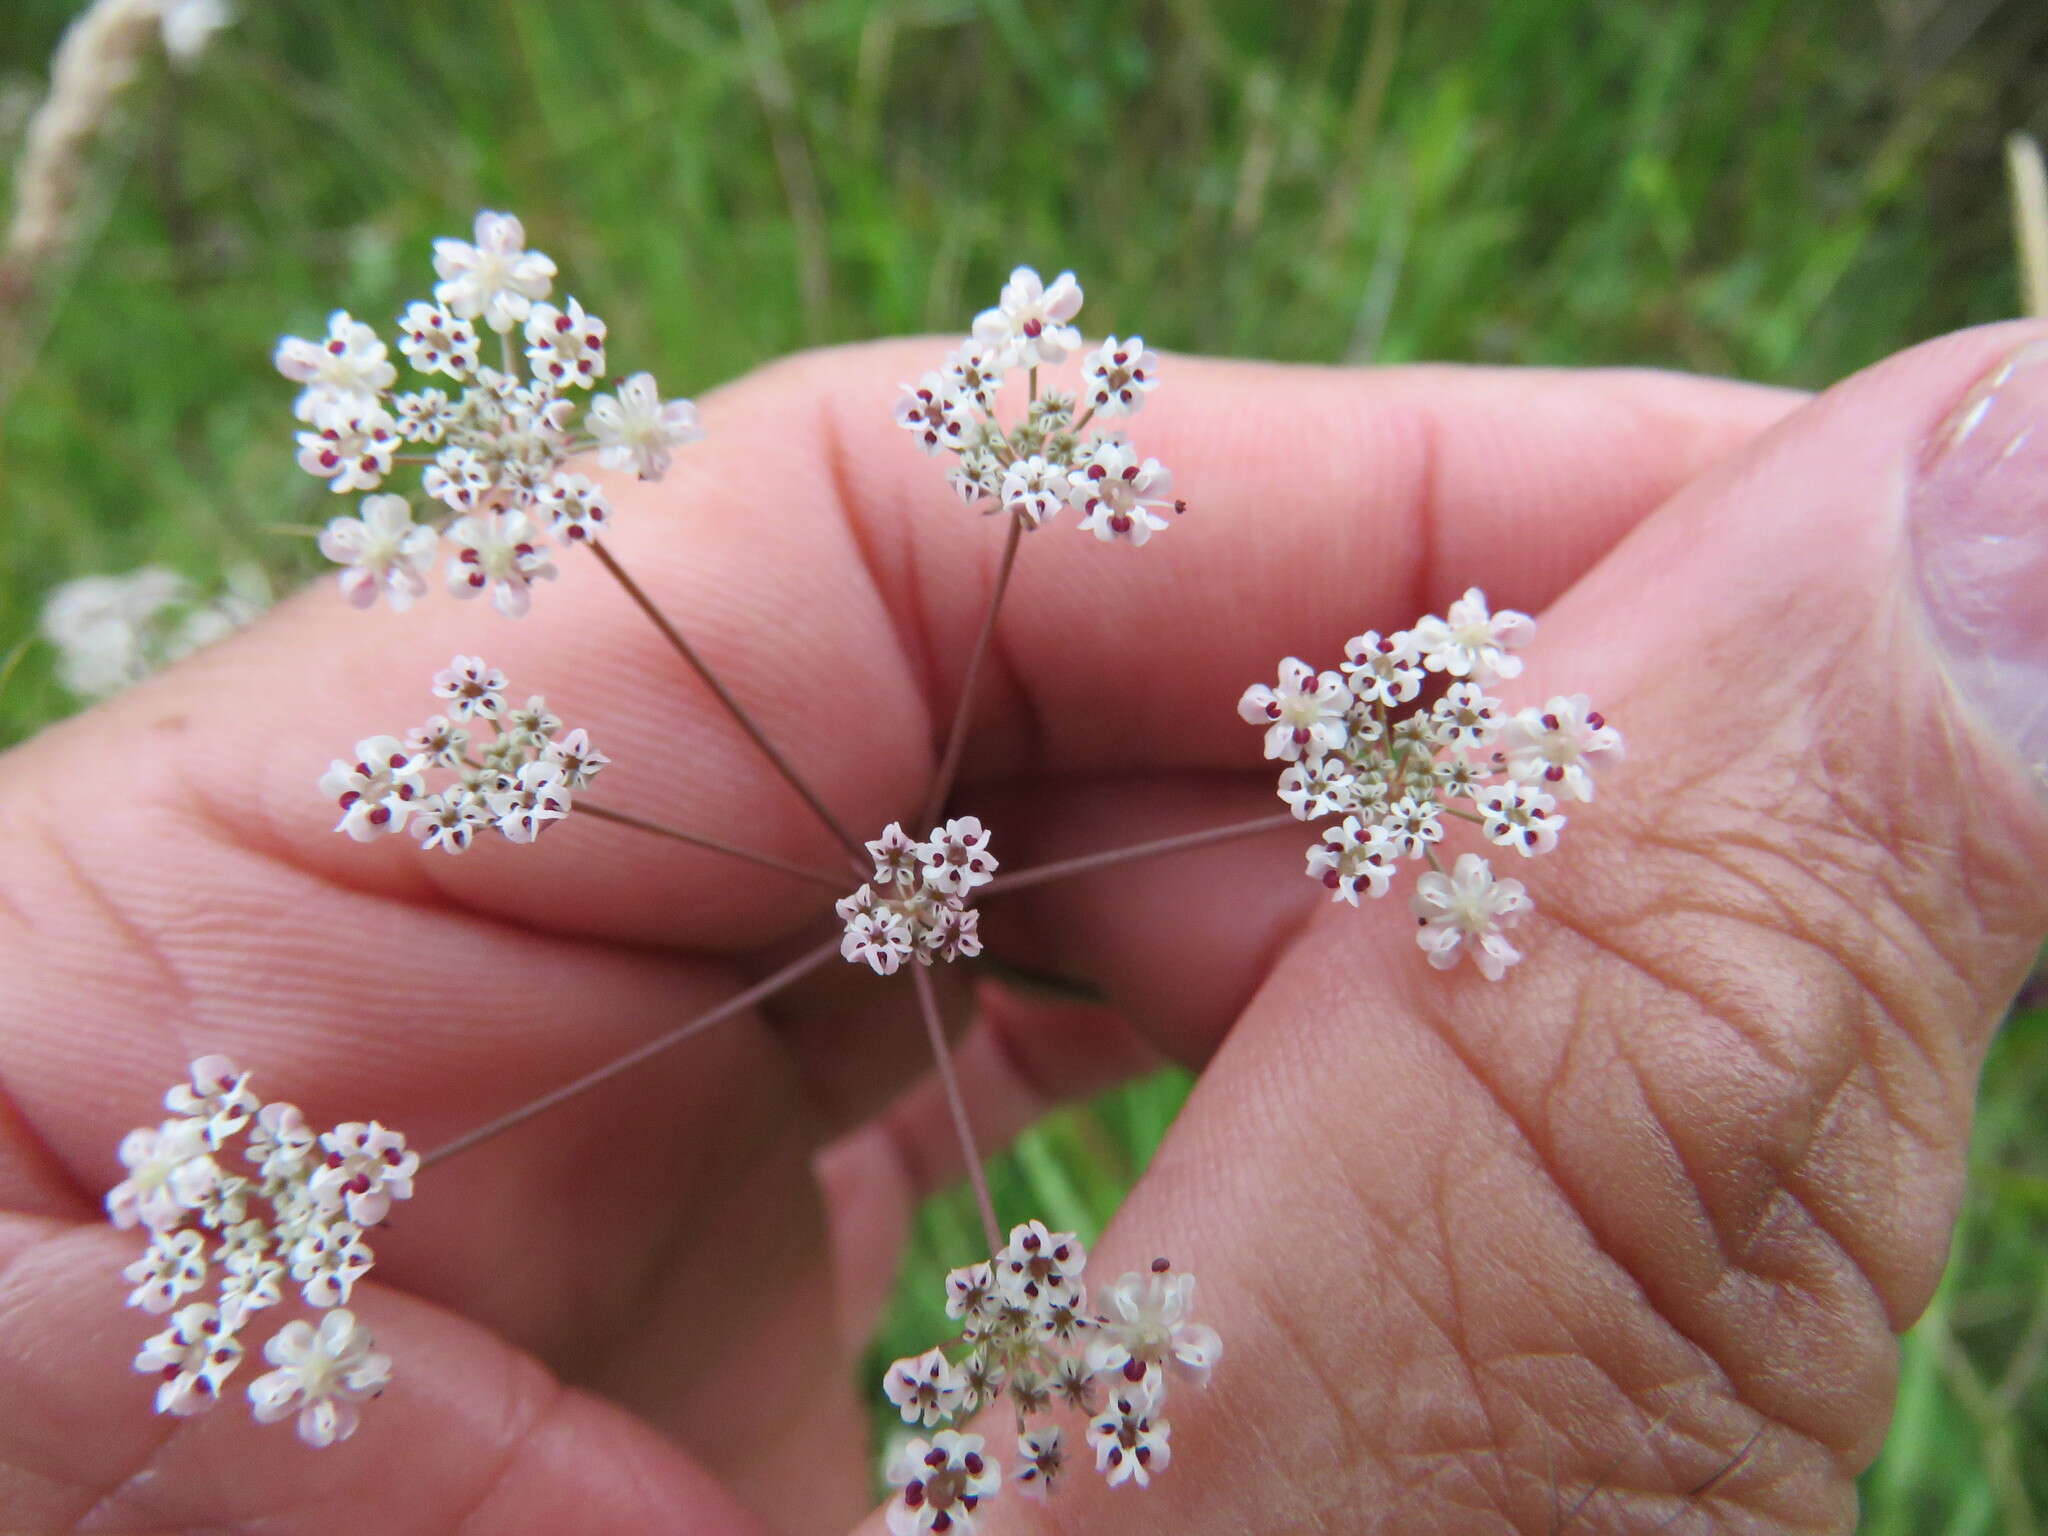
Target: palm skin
x: 1640, y: 1221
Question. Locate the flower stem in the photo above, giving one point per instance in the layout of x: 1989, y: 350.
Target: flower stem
x: 956, y: 737
x: 739, y: 1002
x: 716, y: 845
x: 1023, y: 879
x: 942, y: 1056
x: 733, y: 707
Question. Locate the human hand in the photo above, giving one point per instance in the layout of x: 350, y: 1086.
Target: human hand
x: 1642, y: 1217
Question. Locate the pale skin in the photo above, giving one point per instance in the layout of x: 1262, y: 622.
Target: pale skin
x: 1620, y: 1244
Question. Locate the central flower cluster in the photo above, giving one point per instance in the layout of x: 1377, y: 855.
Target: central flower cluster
x: 916, y: 906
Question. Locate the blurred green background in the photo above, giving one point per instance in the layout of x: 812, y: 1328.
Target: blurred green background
x: 1780, y: 190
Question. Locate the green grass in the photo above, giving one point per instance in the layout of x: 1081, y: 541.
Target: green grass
x: 1783, y: 189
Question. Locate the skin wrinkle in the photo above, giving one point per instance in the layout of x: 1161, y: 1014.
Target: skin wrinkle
x: 1731, y: 1245
x: 166, y: 1432
x: 1576, y: 1205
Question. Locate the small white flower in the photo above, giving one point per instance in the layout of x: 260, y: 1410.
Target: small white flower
x: 1471, y: 642
x: 1304, y: 715
x: 1383, y: 669
x: 471, y: 688
x: 534, y: 721
x: 575, y: 508
x: 172, y: 1268
x: 1034, y: 489
x: 1130, y: 1440
x: 434, y: 341
x: 1040, y: 1269
x: 879, y: 936
x: 1353, y: 859
x: 896, y: 858
x: 378, y: 790
x: 579, y: 761
x: 1550, y: 745
x: 322, y: 1376
x: 170, y: 1171
x: 328, y: 1258
x: 1040, y: 1458
x: 1028, y: 325
x: 1468, y: 904
x: 497, y: 278
x: 382, y: 551
x: 367, y: 1167
x: 1148, y: 1329
x: 1412, y: 824
x: 502, y: 553
x: 440, y: 741
x: 449, y: 821
x: 565, y: 346
x: 970, y: 1291
x: 952, y: 932
x: 1521, y: 817
x: 458, y: 478
x: 1465, y: 719
x: 1117, y: 494
x: 637, y: 429
x: 934, y: 414
x: 537, y: 795
x: 1118, y: 375
x: 193, y: 1356
x: 280, y: 1143
x: 350, y: 449
x: 218, y: 1094
x: 956, y: 857
x: 424, y: 416
x: 939, y: 1484
x: 925, y: 1388
x: 1315, y: 787
x: 254, y: 1281
x: 1457, y: 778
x: 977, y: 476
x: 1074, y: 1384
x: 346, y: 372
x: 975, y: 374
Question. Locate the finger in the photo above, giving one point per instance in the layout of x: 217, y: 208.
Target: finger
x: 478, y: 1439
x: 1639, y: 1224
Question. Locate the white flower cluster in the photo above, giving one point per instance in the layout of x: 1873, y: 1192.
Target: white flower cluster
x: 322, y: 1193
x: 1044, y: 463
x: 524, y: 777
x: 1028, y: 1334
x: 916, y: 906
x: 496, y: 450
x: 1393, y: 777
x: 111, y: 631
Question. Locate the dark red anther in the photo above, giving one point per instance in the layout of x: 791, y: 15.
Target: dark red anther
x: 338, y: 347
x: 1550, y: 722
x: 1134, y: 1370
x: 935, y: 1458
x: 381, y: 815
x: 973, y: 1464
x: 1597, y: 720
x: 1034, y: 328
x: 1553, y: 773
x: 1161, y: 1265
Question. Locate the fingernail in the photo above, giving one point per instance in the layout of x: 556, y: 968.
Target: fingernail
x: 1978, y: 522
